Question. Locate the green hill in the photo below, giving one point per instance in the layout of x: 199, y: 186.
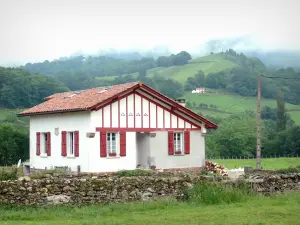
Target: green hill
x: 208, y: 64
x: 10, y: 116
x: 228, y: 104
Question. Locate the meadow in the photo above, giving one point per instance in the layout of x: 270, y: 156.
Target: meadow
x: 10, y: 115
x: 281, y: 209
x: 207, y: 64
x: 228, y: 104
x: 266, y: 163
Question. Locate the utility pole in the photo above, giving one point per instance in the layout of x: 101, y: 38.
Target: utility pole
x: 258, y: 146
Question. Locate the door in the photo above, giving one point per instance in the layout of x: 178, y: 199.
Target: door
x: 143, y: 150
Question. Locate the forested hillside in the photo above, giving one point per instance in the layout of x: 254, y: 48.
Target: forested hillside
x: 21, y: 89
x: 242, y: 79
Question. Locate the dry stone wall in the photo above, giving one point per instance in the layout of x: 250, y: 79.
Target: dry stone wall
x: 276, y: 183
x: 113, y: 189
x: 76, y: 190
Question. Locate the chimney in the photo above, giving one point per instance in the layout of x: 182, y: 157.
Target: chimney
x: 180, y: 101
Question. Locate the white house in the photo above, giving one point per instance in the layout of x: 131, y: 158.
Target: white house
x: 114, y: 128
x: 199, y: 90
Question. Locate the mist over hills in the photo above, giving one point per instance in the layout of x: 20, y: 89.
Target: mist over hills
x: 275, y: 58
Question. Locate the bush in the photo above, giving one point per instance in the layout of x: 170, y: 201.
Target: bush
x: 289, y: 170
x: 210, y: 193
x: 131, y: 173
x: 8, y: 173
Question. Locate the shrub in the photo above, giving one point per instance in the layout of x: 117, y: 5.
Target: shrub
x: 209, y: 193
x: 289, y: 170
x: 8, y: 174
x: 131, y: 173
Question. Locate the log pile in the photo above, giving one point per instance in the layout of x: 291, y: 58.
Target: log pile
x: 215, y: 168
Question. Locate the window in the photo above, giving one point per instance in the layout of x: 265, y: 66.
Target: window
x: 71, y: 143
x: 178, y: 143
x: 44, y: 144
x: 111, y: 144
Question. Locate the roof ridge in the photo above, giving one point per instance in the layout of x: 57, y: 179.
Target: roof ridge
x: 114, y: 85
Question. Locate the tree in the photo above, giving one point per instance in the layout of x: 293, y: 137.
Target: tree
x: 142, y: 75
x: 281, y: 113
x: 13, y: 145
x: 200, y: 79
x: 234, y: 137
x: 19, y: 88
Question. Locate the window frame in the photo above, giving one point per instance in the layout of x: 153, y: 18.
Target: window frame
x: 43, y: 144
x: 181, y: 142
x: 68, y: 143
x: 109, y: 144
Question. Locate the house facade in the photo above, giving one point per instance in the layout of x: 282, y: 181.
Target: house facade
x: 121, y: 127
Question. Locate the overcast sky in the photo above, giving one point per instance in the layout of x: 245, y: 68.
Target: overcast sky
x: 35, y: 30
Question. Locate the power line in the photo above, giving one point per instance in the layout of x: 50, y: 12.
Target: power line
x: 284, y: 78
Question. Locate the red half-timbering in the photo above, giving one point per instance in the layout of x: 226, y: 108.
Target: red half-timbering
x: 140, y: 111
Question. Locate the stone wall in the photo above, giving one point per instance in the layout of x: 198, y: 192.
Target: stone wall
x: 107, y: 189
x: 77, y: 190
x: 275, y: 183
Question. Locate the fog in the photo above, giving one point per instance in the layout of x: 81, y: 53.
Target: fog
x: 36, y: 30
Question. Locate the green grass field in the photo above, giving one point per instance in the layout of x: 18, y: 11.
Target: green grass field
x: 236, y: 104
x: 18, y: 122
x: 267, y: 163
x: 4, y: 113
x: 282, y: 209
x: 107, y: 78
x: 207, y: 64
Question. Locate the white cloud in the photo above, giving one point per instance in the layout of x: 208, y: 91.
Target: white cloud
x: 35, y: 30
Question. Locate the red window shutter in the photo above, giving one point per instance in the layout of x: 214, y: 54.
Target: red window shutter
x: 171, y: 142
x: 38, y: 143
x: 186, y: 142
x: 122, y: 143
x: 48, y: 144
x: 76, y: 143
x: 103, y: 152
x: 64, y: 143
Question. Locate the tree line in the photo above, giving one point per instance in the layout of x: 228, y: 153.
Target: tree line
x: 21, y: 89
x: 236, y: 135
x: 100, y: 66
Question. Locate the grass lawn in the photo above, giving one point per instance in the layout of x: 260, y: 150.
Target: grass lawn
x: 267, y: 163
x: 281, y: 209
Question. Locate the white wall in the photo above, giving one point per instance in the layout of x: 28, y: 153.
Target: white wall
x: 65, y: 122
x: 159, y: 150
x: 89, y: 148
x: 97, y: 164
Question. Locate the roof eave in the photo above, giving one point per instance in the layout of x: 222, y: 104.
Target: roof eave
x: 51, y: 112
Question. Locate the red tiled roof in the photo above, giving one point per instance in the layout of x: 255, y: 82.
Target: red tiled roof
x: 78, y: 100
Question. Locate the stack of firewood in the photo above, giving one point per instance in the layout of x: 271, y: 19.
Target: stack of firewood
x: 215, y: 168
